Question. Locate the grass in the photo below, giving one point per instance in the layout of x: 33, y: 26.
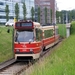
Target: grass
x: 61, y: 61
x: 5, y: 44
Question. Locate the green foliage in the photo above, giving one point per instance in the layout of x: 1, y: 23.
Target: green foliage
x: 5, y: 44
x: 61, y: 60
x: 62, y: 30
x: 73, y: 27
x: 24, y: 11
x: 16, y: 11
x: 62, y: 14
x: 7, y: 12
x: 58, y: 16
x: 39, y: 14
x: 51, y: 15
x: 45, y: 15
x: 72, y: 14
x: 32, y: 13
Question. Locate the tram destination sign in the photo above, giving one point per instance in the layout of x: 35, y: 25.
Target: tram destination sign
x: 23, y: 25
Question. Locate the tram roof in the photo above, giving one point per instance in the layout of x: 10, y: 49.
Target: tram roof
x: 48, y: 27
x: 36, y: 24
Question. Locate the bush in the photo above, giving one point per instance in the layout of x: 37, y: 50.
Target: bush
x: 62, y: 30
x: 73, y: 27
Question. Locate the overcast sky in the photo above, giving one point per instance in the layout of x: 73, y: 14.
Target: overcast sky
x: 66, y: 4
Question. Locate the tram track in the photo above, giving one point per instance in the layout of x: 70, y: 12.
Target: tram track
x: 6, y: 63
x: 16, y: 68
x: 13, y: 69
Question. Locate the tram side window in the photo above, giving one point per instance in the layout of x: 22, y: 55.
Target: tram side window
x: 48, y: 33
x: 38, y: 34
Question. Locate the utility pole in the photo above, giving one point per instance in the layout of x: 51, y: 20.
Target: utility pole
x: 66, y: 18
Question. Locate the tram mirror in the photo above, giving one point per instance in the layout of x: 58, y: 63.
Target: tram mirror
x: 36, y: 30
x: 30, y: 40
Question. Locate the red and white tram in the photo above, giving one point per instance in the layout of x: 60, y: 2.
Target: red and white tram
x: 30, y: 39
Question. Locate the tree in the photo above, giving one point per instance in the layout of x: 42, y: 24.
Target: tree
x: 16, y: 11
x: 39, y: 14
x: 73, y: 14
x: 32, y: 13
x: 70, y: 16
x: 58, y: 16
x: 51, y: 15
x: 61, y: 17
x: 45, y: 15
x: 24, y: 11
x: 7, y: 12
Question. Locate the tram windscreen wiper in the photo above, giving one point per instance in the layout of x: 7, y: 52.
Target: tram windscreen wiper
x: 18, y: 41
x: 30, y: 40
x: 16, y: 38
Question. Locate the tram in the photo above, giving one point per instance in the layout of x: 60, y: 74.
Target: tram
x: 31, y: 39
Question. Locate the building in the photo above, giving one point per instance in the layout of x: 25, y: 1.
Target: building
x: 11, y: 10
x: 49, y: 4
x: 29, y: 5
x: 53, y: 6
x: 11, y: 4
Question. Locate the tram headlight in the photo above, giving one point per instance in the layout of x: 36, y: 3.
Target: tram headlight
x: 17, y: 50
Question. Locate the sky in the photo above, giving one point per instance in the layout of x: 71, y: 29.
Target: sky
x: 65, y: 4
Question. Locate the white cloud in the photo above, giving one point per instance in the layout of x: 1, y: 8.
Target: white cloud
x: 66, y: 4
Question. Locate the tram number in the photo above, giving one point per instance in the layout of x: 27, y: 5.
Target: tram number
x: 24, y: 50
